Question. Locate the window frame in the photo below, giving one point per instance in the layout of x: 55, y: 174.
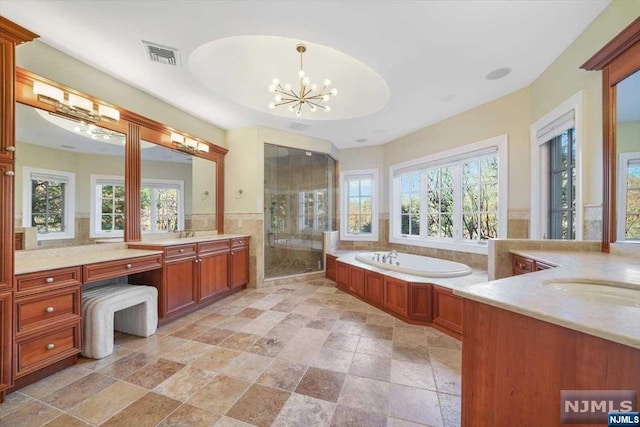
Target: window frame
x: 117, y: 180
x: 623, y: 160
x: 456, y: 157
x: 316, y: 215
x: 69, y: 202
x: 352, y: 175
x: 539, y: 149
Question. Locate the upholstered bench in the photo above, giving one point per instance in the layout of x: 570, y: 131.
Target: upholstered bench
x: 126, y: 308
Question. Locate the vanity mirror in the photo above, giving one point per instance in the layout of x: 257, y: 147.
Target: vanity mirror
x: 619, y: 61
x: 62, y: 196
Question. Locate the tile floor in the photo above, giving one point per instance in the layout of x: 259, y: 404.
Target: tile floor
x: 301, y: 354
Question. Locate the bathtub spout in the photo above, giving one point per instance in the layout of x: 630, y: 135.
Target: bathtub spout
x: 390, y: 256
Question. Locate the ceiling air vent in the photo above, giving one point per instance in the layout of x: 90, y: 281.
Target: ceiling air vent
x: 162, y: 54
x: 298, y: 126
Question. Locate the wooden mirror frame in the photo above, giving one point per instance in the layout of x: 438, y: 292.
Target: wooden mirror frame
x: 135, y: 127
x: 617, y: 60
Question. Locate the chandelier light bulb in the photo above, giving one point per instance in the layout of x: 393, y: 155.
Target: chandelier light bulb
x: 272, y: 88
x: 334, y: 91
x: 327, y: 108
x: 327, y: 82
x: 306, y: 81
x: 291, y: 108
x: 313, y: 108
x: 314, y: 87
x: 272, y: 106
x: 298, y: 113
x: 325, y: 98
x: 278, y: 98
x: 106, y: 137
x: 287, y: 86
x: 275, y: 82
x: 77, y: 129
x: 301, y: 73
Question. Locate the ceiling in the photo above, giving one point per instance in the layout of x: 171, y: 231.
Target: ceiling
x: 432, y: 55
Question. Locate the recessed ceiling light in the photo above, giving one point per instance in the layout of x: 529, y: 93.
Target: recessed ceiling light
x: 498, y: 73
x: 448, y: 98
x: 361, y: 140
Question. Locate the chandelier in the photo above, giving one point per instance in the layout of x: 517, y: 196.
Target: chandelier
x: 309, y: 94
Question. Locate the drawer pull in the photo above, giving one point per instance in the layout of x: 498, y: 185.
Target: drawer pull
x: 181, y: 251
x: 129, y: 266
x: 49, y: 309
x: 51, y: 346
x: 9, y: 173
x: 49, y: 280
x: 11, y: 148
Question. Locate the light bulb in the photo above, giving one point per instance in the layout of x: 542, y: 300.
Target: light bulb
x: 291, y: 108
x: 272, y: 106
x: 334, y: 91
x: 327, y: 108
x: 305, y: 81
x: 77, y: 129
x: 88, y: 131
x: 301, y: 73
x: 94, y: 137
x: 272, y: 88
x: 298, y: 113
x: 325, y: 98
x: 327, y: 82
x: 278, y: 98
x: 106, y: 137
x: 287, y: 86
x: 275, y: 82
x: 314, y: 87
x: 313, y: 108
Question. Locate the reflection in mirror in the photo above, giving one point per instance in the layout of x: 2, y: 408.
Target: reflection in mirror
x: 69, y: 187
x: 628, y: 158
x: 178, y: 191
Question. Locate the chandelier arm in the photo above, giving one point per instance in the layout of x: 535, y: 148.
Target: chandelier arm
x: 286, y: 102
x: 314, y: 103
x: 315, y: 96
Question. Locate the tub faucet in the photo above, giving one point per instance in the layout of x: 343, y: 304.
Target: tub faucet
x: 391, y: 255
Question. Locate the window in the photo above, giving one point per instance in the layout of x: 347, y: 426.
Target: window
x: 313, y: 210
x: 161, y: 204
x: 48, y: 203
x: 562, y: 186
x: 453, y: 200
x: 556, y: 199
x: 629, y: 197
x: 359, y: 205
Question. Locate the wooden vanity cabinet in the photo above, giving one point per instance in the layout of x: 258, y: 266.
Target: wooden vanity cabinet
x: 342, y: 275
x: 374, y: 287
x: 330, y: 267
x: 214, y: 269
x: 447, y: 309
x: 395, y: 295
x: 180, y: 284
x: 6, y: 335
x: 524, y: 265
x: 239, y: 261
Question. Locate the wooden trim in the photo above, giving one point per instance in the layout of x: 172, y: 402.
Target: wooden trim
x: 132, y: 179
x: 220, y: 193
x: 616, y: 47
x: 14, y: 32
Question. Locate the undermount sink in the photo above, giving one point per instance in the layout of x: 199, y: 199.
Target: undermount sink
x: 608, y: 293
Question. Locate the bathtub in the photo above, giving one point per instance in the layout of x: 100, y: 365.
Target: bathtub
x: 417, y: 265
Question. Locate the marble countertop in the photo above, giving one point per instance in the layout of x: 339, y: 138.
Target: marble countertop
x: 476, y: 276
x: 60, y: 260
x: 187, y: 240
x: 528, y: 294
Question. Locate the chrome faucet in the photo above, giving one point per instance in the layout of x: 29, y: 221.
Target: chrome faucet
x: 391, y: 255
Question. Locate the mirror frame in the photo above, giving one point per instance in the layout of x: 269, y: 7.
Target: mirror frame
x: 136, y: 128
x: 617, y: 60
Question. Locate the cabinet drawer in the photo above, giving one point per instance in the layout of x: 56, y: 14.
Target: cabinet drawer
x: 239, y: 241
x: 46, y: 309
x: 522, y: 264
x: 180, y: 251
x: 37, y: 352
x: 51, y: 279
x: 215, y: 246
x: 111, y: 269
x: 543, y: 266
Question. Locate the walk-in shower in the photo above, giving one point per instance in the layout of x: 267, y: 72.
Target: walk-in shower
x: 299, y: 192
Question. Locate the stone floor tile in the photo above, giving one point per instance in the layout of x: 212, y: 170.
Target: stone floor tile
x: 66, y: 420
x: 352, y: 417
x: 451, y: 409
x: 219, y: 394
x: 239, y: 341
x: 184, y: 383
x: 154, y: 373
x: 303, y: 410
x: 283, y: 375
x: 78, y: 391
x: 102, y: 406
x: 321, y: 384
x: 33, y: 414
x: 55, y: 382
x: 365, y: 394
x: 332, y: 359
x: 188, y: 352
x: 375, y: 347
x: 365, y: 365
x: 250, y: 313
x: 418, y: 375
x: 187, y: 415
x: 265, y: 346
x: 247, y: 366
x: 214, y: 336
x: 215, y: 360
x: 416, y: 405
x: 127, y: 365
x: 147, y: 411
x: 260, y: 405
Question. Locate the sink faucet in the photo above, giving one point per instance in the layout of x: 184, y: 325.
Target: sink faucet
x: 391, y: 255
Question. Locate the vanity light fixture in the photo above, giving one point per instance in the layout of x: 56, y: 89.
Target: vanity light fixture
x: 75, y: 106
x: 187, y: 144
x: 309, y: 94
